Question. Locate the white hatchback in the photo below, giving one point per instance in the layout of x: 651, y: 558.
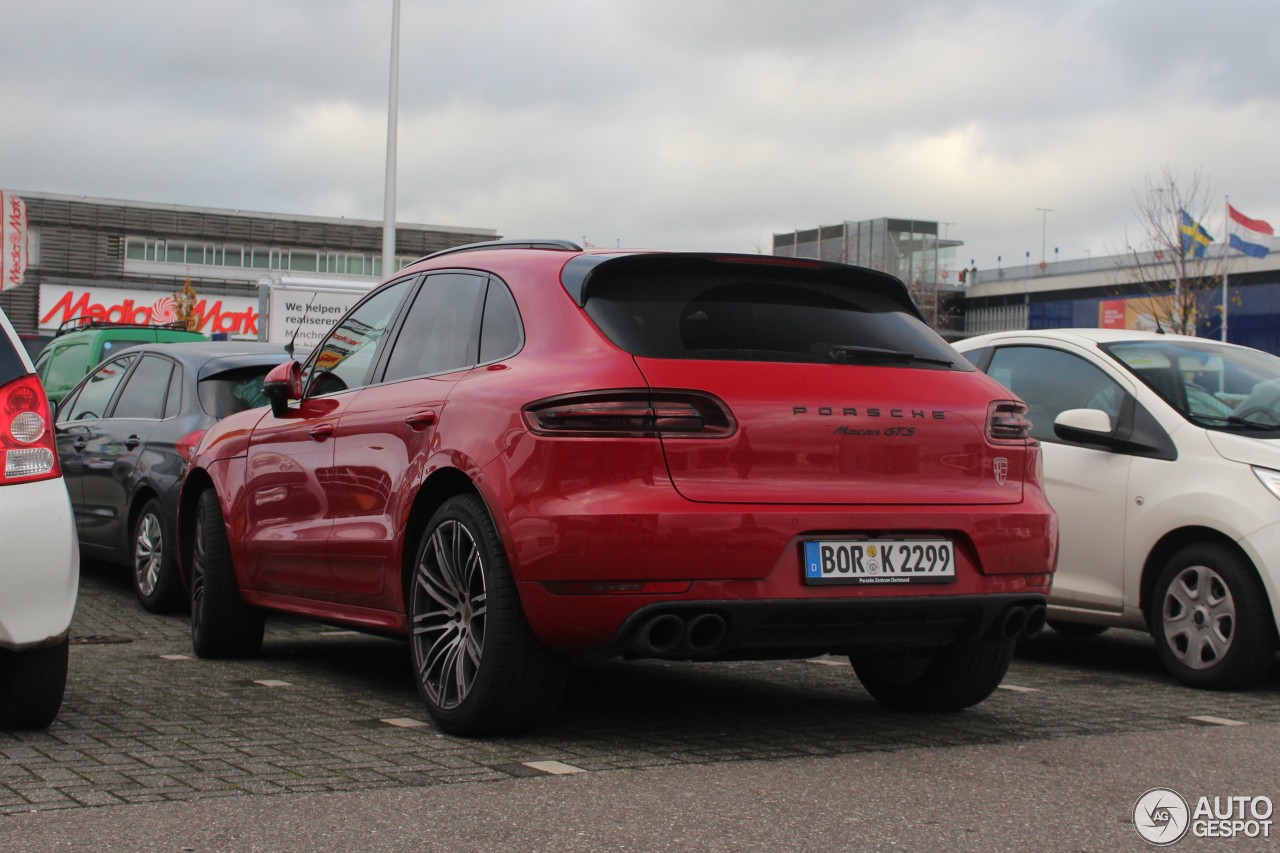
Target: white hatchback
x: 40, y: 560
x: 1162, y: 458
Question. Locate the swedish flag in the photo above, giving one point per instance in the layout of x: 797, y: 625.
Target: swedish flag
x: 1194, y: 237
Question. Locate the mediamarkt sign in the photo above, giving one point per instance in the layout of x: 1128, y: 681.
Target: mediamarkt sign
x: 236, y: 316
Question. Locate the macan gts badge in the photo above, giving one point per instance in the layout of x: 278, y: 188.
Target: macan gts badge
x: 519, y: 454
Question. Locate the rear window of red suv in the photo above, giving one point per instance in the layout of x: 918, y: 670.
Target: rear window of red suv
x: 766, y: 313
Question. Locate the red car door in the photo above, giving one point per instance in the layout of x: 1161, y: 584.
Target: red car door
x: 287, y: 511
x: 289, y: 488
x: 385, y: 439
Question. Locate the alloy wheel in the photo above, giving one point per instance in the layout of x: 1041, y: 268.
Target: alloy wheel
x: 449, y: 610
x: 148, y: 553
x: 197, y: 569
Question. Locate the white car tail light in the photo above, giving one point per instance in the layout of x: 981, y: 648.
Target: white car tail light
x: 26, y: 433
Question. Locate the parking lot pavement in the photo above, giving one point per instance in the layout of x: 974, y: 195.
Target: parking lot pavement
x: 328, y: 710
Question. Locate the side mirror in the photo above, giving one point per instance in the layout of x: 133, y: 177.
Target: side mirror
x: 283, y: 383
x: 1086, y: 426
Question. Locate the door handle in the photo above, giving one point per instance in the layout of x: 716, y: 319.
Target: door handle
x: 421, y: 421
x: 322, y: 432
x: 132, y: 441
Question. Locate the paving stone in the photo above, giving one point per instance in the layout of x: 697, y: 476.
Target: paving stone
x: 135, y: 727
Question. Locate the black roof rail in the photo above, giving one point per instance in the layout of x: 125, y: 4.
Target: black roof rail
x: 555, y: 245
x: 76, y: 324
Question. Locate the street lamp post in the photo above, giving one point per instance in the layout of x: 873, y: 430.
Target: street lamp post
x: 1044, y: 228
x: 389, y: 190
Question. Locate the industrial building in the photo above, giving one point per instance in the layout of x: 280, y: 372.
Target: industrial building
x: 1096, y: 292
x: 128, y: 261
x: 1117, y: 292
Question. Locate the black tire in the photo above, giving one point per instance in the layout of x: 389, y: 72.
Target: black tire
x: 154, y: 562
x: 1076, y: 629
x: 31, y: 686
x: 946, y: 679
x: 222, y: 625
x: 1211, y: 619
x: 477, y: 665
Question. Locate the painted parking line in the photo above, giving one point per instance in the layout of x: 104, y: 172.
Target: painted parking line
x: 555, y: 768
x: 175, y: 657
x: 829, y: 661
x: 404, y: 722
x: 1216, y: 721
x: 1016, y: 689
x: 271, y: 682
x: 335, y: 633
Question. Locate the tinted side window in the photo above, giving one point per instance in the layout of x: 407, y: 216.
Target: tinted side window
x: 111, y: 346
x: 144, y: 393
x: 500, y: 331
x: 234, y: 390
x: 344, y: 358
x: 173, y: 400
x: 97, y: 391
x: 66, y: 367
x: 1051, y: 381
x: 441, y: 330
x: 976, y: 356
x: 42, y: 363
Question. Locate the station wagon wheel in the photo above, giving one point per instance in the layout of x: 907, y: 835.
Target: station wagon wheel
x: 477, y: 664
x: 155, y: 574
x: 946, y: 679
x: 1210, y: 619
x: 222, y: 625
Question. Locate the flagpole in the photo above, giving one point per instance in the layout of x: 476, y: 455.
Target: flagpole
x: 1226, y: 263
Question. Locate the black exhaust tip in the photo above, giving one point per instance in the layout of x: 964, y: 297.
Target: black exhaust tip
x: 662, y: 635
x: 1036, y: 618
x: 706, y: 632
x: 1012, y: 623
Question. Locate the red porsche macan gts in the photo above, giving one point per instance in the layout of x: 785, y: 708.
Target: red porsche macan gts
x: 519, y: 453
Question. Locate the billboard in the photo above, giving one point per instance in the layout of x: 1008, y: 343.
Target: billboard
x: 1139, y: 313
x: 13, y: 239
x: 234, y: 316
x: 304, y: 310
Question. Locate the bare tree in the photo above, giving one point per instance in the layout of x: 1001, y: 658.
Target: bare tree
x: 184, y: 304
x: 1169, y: 279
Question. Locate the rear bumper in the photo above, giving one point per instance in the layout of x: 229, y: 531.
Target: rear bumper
x: 40, y: 567
x: 748, y: 567
x: 761, y: 629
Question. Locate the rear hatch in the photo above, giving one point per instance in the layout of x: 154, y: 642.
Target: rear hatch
x: 831, y: 387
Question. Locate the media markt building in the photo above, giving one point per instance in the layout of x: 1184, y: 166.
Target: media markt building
x: 129, y: 262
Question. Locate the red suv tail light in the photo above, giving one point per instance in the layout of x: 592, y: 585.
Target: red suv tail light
x: 27, y: 443
x: 631, y: 413
x: 1007, y: 422
x: 186, y: 446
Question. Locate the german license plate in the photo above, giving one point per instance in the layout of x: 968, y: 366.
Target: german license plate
x: 879, y: 561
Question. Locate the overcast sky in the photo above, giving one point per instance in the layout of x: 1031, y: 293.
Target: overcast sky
x: 681, y: 124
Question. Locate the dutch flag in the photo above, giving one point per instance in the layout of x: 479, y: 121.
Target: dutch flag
x: 1247, y: 234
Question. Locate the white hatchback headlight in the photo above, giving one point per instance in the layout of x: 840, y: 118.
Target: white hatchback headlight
x: 1270, y: 479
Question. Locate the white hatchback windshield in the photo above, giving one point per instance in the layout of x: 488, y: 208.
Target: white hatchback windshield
x: 1214, y: 385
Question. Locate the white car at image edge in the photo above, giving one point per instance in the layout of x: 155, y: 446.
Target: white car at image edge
x: 40, y: 560
x: 1162, y: 458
